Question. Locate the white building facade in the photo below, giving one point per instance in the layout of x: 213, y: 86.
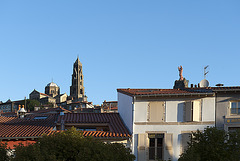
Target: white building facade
x: 161, y: 120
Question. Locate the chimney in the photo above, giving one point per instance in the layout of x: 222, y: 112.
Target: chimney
x: 62, y: 125
x: 22, y: 112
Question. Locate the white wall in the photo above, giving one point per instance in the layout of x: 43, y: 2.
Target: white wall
x: 125, y: 110
x: 176, y: 130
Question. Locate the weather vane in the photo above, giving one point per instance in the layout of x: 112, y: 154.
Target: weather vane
x: 205, y: 72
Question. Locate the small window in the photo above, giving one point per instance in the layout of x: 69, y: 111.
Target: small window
x: 85, y: 129
x: 40, y: 117
x: 193, y: 110
x: 155, y: 146
x: 235, y: 108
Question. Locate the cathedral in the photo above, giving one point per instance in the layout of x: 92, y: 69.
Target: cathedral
x: 77, y: 88
x: 52, y: 90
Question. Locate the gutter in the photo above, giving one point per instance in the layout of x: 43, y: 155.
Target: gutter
x: 185, y: 94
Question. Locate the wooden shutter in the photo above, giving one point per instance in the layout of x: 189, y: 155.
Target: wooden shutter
x: 196, y: 110
x: 188, y: 111
x: 142, y: 147
x: 185, y: 140
x: 168, y: 150
x: 156, y: 112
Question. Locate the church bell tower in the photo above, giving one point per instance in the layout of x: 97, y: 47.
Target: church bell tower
x: 77, y: 88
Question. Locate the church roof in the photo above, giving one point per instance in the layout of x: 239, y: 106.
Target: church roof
x: 52, y: 84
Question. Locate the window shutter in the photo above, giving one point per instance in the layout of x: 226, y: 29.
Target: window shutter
x: 168, y: 150
x: 188, y: 111
x: 148, y: 112
x: 156, y: 112
x: 142, y: 147
x: 185, y: 140
x: 196, y: 110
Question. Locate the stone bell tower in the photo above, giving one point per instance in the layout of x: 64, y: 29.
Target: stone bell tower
x: 77, y: 89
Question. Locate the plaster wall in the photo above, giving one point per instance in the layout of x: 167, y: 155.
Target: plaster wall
x: 125, y: 109
x: 223, y: 107
x: 176, y: 130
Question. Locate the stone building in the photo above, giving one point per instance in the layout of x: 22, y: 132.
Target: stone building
x: 52, y: 89
x: 77, y: 89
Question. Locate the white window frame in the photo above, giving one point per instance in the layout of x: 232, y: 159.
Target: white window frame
x: 237, y: 108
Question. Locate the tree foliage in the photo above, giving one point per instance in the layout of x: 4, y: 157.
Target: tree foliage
x: 30, y: 104
x: 70, y: 145
x: 213, y: 145
x: 3, y: 152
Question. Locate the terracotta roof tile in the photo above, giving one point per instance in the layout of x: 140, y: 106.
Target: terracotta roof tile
x: 28, y: 126
x: 112, y: 119
x: 142, y: 92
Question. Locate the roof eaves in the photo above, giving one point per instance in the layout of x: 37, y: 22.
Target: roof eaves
x: 176, y: 94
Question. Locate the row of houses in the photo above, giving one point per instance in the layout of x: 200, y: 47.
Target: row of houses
x: 153, y: 123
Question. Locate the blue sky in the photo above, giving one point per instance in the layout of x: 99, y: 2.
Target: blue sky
x: 121, y: 44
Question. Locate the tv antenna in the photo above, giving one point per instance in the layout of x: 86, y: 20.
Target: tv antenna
x: 205, y: 71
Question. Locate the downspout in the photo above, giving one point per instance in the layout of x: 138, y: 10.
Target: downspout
x: 133, y: 136
x: 133, y: 110
x: 216, y: 109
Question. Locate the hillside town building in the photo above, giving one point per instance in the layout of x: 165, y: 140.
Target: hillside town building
x: 30, y: 126
x: 52, y: 91
x: 155, y: 123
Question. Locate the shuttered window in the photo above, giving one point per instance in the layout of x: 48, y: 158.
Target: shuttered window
x: 192, y: 110
x: 142, y: 147
x: 168, y: 151
x: 156, y: 146
x: 185, y: 139
x: 156, y: 112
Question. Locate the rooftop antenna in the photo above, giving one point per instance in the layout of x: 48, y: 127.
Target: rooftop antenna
x: 204, y: 82
x: 205, y: 72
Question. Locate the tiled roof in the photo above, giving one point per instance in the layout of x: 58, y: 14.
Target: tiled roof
x: 116, y: 126
x: 45, y: 94
x: 100, y: 134
x: 29, y: 126
x: 11, y: 144
x: 141, y: 92
x: 9, y: 114
x: 34, y: 125
x: 50, y: 110
x: 230, y: 88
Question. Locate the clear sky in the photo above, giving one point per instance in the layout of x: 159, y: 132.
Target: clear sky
x: 121, y: 44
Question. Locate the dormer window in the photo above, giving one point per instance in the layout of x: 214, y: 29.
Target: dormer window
x: 235, y: 108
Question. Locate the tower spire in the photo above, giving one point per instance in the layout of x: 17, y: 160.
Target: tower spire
x: 77, y: 88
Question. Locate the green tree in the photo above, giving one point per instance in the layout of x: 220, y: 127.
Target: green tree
x: 213, y: 145
x: 3, y: 152
x: 30, y: 104
x: 70, y: 145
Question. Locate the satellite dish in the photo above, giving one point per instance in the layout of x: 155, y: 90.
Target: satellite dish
x: 204, y: 83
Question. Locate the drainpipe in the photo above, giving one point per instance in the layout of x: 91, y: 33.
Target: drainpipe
x: 62, y: 121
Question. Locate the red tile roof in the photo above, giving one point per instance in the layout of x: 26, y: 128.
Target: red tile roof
x: 116, y: 126
x: 27, y: 127
x: 35, y: 125
x: 50, y: 110
x: 100, y: 134
x: 229, y: 88
x: 163, y: 92
x: 45, y: 94
x: 12, y: 144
